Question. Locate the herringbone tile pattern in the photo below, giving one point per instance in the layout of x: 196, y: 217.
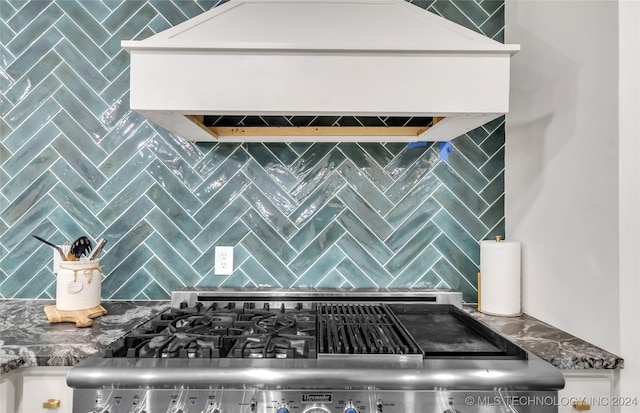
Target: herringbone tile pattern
x: 76, y: 161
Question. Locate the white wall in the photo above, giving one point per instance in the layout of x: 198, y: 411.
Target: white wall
x: 561, y: 182
x: 629, y: 98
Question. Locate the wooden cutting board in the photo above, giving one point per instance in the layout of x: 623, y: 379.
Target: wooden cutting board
x: 82, y: 318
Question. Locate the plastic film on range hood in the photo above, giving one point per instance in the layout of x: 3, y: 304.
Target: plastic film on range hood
x: 304, y: 70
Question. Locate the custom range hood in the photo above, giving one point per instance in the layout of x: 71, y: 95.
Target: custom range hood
x: 310, y: 70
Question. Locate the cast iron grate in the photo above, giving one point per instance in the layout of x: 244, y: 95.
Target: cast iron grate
x: 362, y: 329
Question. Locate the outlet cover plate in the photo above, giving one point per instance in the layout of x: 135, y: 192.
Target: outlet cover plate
x: 223, y: 261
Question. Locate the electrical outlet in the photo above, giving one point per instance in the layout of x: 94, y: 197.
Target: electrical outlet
x: 223, y: 261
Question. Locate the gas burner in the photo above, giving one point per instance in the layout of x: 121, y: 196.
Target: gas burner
x: 224, y: 332
x: 273, y: 346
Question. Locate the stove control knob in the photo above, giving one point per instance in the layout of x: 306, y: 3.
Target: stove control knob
x: 212, y: 407
x: 350, y: 408
x: 283, y: 409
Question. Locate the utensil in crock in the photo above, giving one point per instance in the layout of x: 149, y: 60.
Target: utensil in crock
x: 81, y: 246
x: 96, y: 252
x: 52, y: 245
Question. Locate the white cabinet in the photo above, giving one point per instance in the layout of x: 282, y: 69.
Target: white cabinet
x: 36, y: 390
x: 7, y: 393
x: 591, y: 390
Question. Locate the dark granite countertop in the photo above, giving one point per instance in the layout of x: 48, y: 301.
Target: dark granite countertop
x: 558, y: 347
x: 27, y: 338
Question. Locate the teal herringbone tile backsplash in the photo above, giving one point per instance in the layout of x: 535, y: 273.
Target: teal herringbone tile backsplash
x: 76, y: 161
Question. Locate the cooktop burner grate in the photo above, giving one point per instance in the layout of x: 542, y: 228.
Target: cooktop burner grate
x: 223, y: 332
x: 362, y: 329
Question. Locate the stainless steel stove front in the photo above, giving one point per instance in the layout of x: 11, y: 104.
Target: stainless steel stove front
x: 344, y: 384
x: 309, y: 401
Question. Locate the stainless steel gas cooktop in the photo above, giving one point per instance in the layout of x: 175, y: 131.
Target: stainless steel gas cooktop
x: 321, y: 351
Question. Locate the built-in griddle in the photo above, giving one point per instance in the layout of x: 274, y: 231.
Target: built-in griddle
x: 445, y: 331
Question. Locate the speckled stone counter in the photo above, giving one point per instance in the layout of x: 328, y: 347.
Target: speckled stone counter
x: 559, y: 348
x: 27, y: 338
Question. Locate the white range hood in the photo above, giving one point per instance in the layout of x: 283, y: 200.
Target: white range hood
x: 336, y: 70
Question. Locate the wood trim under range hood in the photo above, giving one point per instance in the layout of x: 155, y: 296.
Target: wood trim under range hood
x: 242, y: 58
x: 242, y: 132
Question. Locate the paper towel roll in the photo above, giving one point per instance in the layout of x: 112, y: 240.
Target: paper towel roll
x: 499, y: 287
